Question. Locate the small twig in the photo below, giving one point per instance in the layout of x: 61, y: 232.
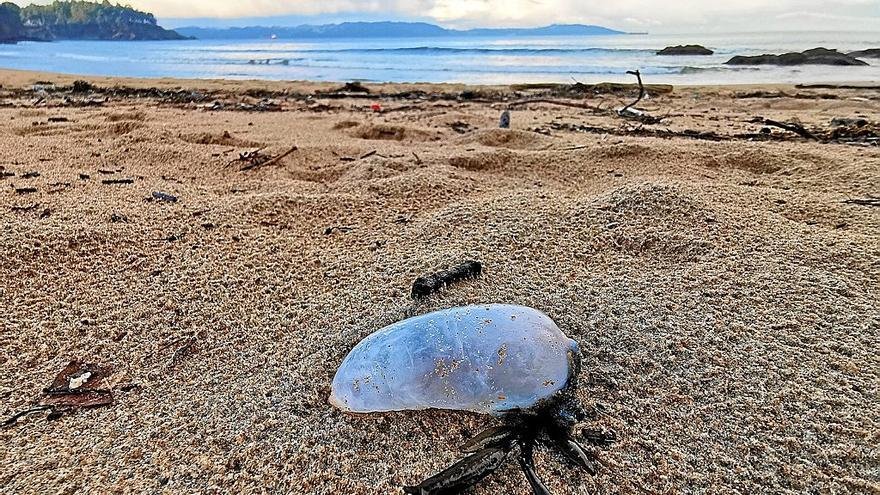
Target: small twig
x: 182, y: 351
x: 14, y: 419
x: 863, y: 201
x: 418, y: 160
x: 271, y: 161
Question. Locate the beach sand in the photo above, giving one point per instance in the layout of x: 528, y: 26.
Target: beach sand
x: 725, y: 296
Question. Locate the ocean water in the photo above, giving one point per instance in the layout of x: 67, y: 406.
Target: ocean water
x: 465, y: 60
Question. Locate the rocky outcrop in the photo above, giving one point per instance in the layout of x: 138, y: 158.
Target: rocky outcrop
x: 869, y: 53
x: 686, y: 50
x: 94, y: 31
x: 816, y: 56
x: 78, y: 20
x: 11, y: 29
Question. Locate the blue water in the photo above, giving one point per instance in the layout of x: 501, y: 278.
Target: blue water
x: 463, y: 60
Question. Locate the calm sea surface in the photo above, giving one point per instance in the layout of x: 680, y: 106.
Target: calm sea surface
x: 467, y: 60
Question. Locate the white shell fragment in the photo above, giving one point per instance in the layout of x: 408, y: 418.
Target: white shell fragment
x: 486, y: 359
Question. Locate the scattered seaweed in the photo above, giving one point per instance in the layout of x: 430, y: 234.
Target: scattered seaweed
x: 426, y: 285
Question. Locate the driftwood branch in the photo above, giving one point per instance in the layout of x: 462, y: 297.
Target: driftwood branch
x: 790, y: 127
x: 278, y: 158
x: 638, y: 75
x: 630, y: 112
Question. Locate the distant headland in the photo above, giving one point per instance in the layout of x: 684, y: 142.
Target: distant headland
x: 79, y: 20
x: 386, y: 30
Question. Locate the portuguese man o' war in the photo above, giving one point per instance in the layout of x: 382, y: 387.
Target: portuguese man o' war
x: 507, y: 361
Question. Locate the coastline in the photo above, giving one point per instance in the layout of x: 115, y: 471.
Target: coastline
x: 22, y: 78
x: 719, y: 279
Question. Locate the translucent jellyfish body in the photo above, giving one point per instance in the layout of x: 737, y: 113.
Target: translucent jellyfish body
x: 488, y: 359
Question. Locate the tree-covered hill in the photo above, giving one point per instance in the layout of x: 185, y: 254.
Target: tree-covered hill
x: 79, y: 20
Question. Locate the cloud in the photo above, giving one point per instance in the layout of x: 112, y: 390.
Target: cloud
x: 657, y: 15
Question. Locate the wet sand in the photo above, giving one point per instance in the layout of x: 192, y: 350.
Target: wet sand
x: 724, y: 293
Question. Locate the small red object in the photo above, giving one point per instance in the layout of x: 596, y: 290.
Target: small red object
x: 376, y: 107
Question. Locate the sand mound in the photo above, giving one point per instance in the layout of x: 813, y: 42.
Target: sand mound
x: 224, y: 139
x: 753, y: 160
x: 123, y: 127
x: 387, y: 132
x: 345, y: 124
x: 136, y: 116
x: 658, y: 221
x: 507, y: 138
x: 492, y: 160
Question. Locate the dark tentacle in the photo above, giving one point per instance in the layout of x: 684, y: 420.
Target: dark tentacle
x: 576, y: 453
x: 599, y: 438
x: 527, y: 463
x: 492, y: 437
x: 463, y: 474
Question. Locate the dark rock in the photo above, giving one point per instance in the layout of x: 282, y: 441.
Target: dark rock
x: 815, y: 56
x: 686, y: 50
x: 869, y: 53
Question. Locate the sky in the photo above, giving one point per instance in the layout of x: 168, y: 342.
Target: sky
x: 656, y: 16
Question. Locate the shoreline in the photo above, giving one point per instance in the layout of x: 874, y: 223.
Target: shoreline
x: 20, y: 78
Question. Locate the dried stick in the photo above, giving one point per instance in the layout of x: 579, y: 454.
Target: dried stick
x: 791, y: 127
x: 638, y: 75
x: 271, y: 161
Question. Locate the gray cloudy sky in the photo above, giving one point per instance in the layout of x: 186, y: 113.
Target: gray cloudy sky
x: 632, y: 15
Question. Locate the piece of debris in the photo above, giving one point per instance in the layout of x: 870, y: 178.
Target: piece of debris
x: 256, y: 159
x: 352, y: 87
x: 118, y: 218
x: 160, y: 196
x: 505, y: 120
x: 84, y: 177
x: 82, y: 87
x: 75, y: 387
x: 186, y: 345
x: 58, y: 119
x: 23, y: 209
x: 869, y: 201
x: 461, y: 127
x: 788, y: 126
x: 429, y: 284
x: 330, y: 230
x: 30, y: 175
x: 25, y: 190
x: 117, y: 181
x: 15, y: 417
x: 632, y: 113
x: 848, y: 122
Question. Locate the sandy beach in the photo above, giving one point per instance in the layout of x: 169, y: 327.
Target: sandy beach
x: 721, y: 276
